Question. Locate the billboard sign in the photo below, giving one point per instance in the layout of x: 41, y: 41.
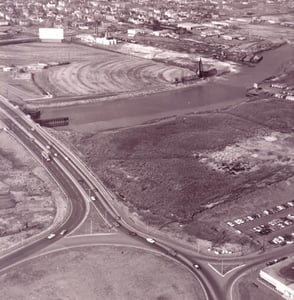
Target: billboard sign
x: 51, y: 34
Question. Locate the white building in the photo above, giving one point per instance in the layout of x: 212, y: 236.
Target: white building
x: 280, y: 276
x: 105, y: 41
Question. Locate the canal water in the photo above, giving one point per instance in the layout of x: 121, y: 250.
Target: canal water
x: 218, y: 92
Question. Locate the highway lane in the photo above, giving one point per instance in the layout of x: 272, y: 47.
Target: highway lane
x: 77, y: 212
x: 212, y: 284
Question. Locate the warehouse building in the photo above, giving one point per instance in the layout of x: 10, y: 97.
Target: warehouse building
x: 281, y: 276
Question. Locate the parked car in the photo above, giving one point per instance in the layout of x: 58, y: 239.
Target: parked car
x: 257, y: 229
x: 280, y: 207
x: 287, y: 222
x: 274, y: 222
x: 239, y: 221
x: 249, y: 218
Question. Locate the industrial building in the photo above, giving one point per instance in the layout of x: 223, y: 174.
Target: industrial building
x: 280, y: 275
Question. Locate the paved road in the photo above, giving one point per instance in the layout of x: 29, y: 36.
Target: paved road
x: 73, y: 177
x: 77, y: 212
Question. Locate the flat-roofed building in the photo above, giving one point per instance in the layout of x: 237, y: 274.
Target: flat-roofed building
x: 281, y: 276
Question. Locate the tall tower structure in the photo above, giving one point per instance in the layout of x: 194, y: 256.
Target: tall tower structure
x: 200, y: 71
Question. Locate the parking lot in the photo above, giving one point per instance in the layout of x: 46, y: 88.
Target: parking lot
x: 274, y: 225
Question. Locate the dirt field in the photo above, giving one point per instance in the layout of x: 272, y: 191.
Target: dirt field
x: 183, y: 170
x: 100, y: 273
x: 90, y: 70
x: 28, y: 198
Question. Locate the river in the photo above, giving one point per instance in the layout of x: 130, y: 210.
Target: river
x: 218, y: 92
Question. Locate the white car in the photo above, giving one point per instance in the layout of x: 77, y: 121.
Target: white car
x: 239, y: 221
x: 51, y: 236
x: 196, y: 266
x: 150, y: 240
x: 65, y: 157
x: 63, y: 232
x: 93, y: 198
x: 249, y: 218
x: 231, y: 224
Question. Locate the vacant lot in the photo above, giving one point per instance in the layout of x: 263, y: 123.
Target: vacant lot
x: 179, y: 169
x: 95, y: 273
x: 28, y: 198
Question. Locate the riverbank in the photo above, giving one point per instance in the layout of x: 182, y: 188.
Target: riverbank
x: 220, y: 91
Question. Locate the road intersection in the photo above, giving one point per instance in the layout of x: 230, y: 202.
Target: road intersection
x: 77, y: 181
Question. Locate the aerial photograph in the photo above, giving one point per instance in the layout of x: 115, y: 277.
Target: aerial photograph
x: 147, y: 150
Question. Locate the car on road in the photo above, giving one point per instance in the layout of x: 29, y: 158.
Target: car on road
x: 196, y: 266
x: 63, y: 232
x: 276, y: 260
x: 51, y: 236
x: 65, y: 157
x: 150, y: 240
x: 132, y: 233
x: 55, y: 154
x: 93, y: 198
x: 290, y: 203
